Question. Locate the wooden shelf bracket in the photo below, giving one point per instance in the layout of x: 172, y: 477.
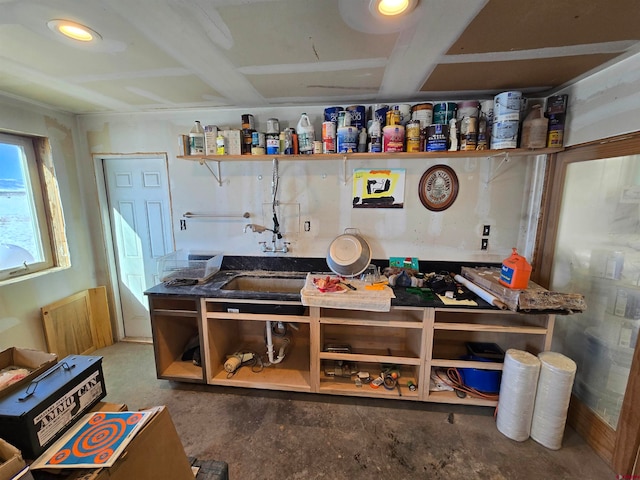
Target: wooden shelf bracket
x: 217, y: 176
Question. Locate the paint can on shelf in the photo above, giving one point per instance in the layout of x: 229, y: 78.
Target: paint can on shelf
x: 248, y: 122
x: 347, y: 139
x: 413, y: 136
x: 506, y: 106
x: 380, y: 113
x: 331, y: 114
x: 273, y: 143
x: 405, y: 112
x: 470, y: 108
x: 436, y: 138
x: 443, y: 112
x: 358, y: 116
x: 504, y: 134
x: 393, y: 138
x: 328, y: 137
x: 423, y: 113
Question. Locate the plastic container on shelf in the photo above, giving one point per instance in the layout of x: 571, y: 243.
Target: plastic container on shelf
x: 534, y: 129
x: 188, y: 265
x: 487, y: 381
x: 196, y: 139
x: 306, y: 135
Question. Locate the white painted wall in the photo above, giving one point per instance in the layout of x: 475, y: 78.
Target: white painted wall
x: 20, y: 303
x: 492, y: 192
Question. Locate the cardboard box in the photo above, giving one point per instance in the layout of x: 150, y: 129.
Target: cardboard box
x: 11, y: 462
x: 33, y: 417
x: 33, y: 360
x: 154, y: 453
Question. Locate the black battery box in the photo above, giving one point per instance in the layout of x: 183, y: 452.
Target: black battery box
x: 35, y: 416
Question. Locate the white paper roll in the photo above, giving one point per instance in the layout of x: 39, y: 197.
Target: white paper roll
x: 517, y: 394
x: 555, y: 383
x: 481, y: 292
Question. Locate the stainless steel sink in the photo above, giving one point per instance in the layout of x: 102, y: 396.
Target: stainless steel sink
x: 266, y: 283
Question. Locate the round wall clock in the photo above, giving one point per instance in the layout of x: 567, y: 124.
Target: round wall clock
x: 438, y: 188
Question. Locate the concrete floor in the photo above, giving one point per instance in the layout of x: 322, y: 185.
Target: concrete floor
x: 280, y: 435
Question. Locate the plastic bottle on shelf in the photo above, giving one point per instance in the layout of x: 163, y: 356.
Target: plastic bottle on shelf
x: 306, y: 135
x: 196, y: 139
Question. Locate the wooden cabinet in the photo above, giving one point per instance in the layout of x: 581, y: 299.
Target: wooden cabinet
x: 452, y: 328
x: 376, y: 340
x: 409, y: 340
x: 175, y: 321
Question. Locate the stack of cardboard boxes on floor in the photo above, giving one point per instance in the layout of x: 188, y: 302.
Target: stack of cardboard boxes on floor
x: 48, y: 398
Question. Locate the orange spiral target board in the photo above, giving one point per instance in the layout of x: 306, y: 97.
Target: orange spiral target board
x: 97, y: 440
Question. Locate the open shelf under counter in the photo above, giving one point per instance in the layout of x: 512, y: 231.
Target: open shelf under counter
x: 451, y: 397
x: 183, y: 371
x: 512, y: 152
x: 397, y: 317
x: 400, y: 358
x: 446, y: 363
x: 347, y: 387
x: 291, y: 374
x: 493, y: 321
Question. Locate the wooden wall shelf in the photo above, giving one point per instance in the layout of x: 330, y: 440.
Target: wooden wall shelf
x: 512, y: 152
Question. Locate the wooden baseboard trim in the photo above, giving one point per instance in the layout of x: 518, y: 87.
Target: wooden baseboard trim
x: 598, y: 434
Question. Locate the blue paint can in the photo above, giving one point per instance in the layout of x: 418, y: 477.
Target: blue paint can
x: 331, y: 114
x: 358, y: 116
x: 347, y: 140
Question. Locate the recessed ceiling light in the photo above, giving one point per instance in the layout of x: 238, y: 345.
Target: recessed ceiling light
x: 74, y: 31
x: 392, y: 7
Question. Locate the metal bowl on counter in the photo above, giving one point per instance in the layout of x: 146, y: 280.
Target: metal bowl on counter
x: 349, y: 254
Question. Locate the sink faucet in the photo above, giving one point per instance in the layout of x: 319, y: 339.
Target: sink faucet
x: 255, y: 228
x: 274, y: 248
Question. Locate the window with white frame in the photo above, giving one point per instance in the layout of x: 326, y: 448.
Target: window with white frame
x: 27, y: 244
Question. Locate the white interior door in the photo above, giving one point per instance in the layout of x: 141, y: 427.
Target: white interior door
x: 139, y: 210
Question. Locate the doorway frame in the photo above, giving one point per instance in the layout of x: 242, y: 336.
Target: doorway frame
x: 105, y: 222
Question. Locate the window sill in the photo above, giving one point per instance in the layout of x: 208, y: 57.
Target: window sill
x: 30, y: 276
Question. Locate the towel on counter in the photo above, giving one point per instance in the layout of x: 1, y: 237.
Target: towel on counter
x: 359, y: 299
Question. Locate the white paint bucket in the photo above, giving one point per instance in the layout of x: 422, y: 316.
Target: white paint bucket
x: 504, y: 134
x: 506, y: 106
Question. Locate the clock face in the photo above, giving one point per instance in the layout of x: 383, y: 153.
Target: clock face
x: 438, y: 187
